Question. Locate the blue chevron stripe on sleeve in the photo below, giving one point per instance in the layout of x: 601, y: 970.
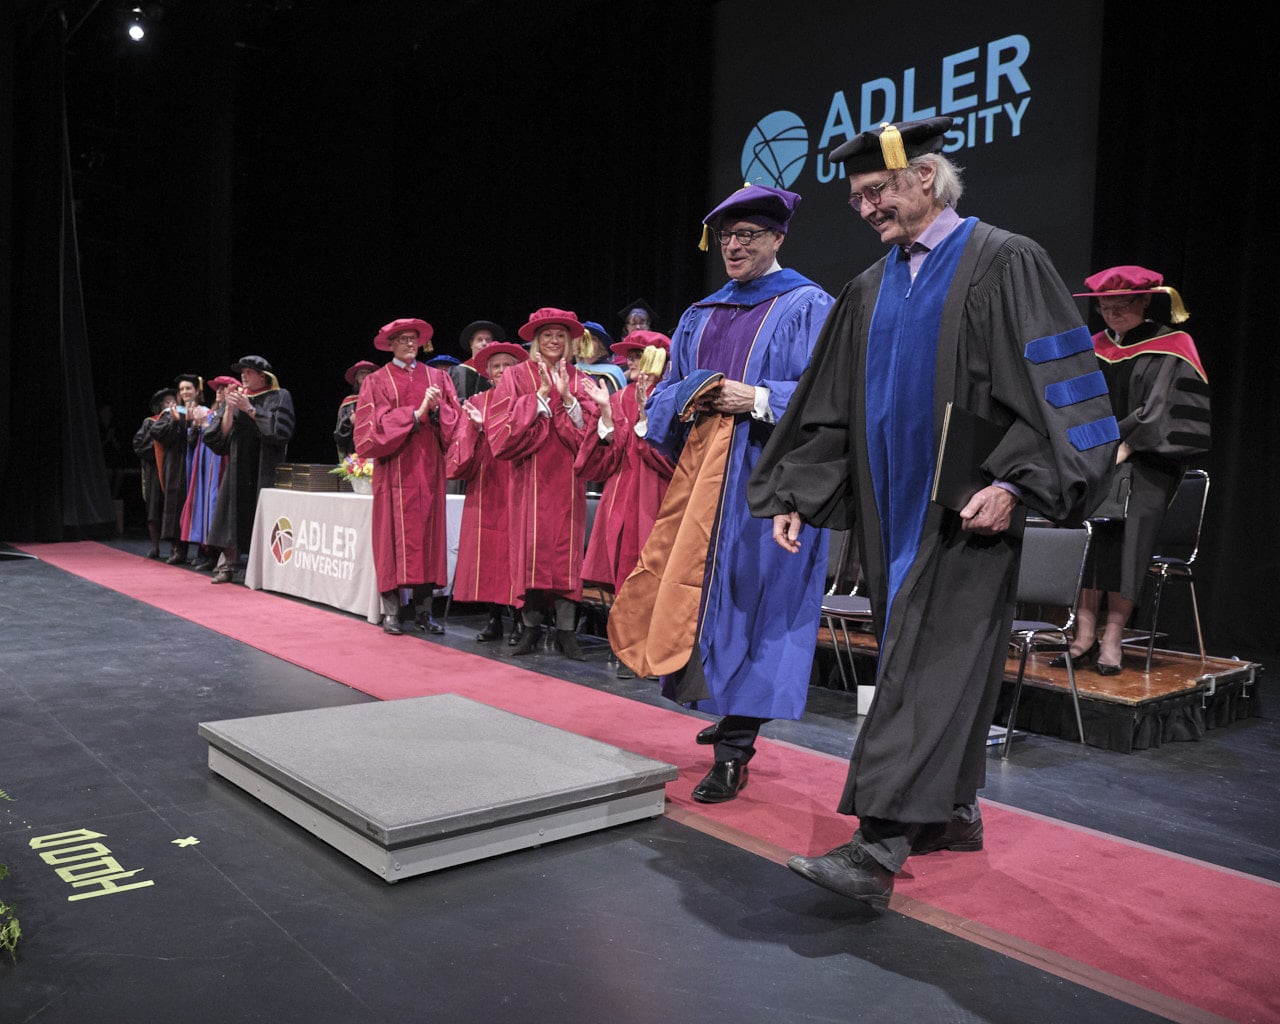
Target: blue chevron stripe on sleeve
x: 1076, y: 389
x: 1059, y: 346
x: 1090, y: 435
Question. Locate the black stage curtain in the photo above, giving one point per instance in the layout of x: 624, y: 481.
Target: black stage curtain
x: 297, y: 181
x: 53, y: 482
x: 1183, y: 188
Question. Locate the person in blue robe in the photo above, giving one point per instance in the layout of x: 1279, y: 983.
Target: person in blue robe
x: 727, y: 619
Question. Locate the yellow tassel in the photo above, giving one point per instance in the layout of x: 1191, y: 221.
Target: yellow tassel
x: 895, y: 156
x: 705, y: 243
x: 653, y: 361
x: 1177, y: 311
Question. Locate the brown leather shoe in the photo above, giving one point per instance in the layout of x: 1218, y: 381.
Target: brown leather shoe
x: 850, y: 871
x: 957, y: 835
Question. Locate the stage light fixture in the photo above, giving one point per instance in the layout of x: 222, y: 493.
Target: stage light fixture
x: 137, y: 29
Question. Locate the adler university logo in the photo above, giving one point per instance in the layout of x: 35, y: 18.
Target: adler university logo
x: 282, y: 541
x: 775, y: 150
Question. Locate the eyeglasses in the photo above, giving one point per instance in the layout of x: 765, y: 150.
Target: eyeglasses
x: 872, y: 193
x: 1118, y: 303
x: 745, y: 236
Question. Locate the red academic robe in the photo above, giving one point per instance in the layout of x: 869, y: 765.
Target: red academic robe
x: 410, y: 538
x: 548, y: 501
x: 483, y: 570
x: 636, y: 476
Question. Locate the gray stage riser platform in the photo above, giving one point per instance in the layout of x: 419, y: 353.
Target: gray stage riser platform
x: 413, y: 786
x: 434, y: 855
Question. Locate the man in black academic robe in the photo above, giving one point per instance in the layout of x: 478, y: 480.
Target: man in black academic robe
x: 253, y: 428
x: 962, y: 312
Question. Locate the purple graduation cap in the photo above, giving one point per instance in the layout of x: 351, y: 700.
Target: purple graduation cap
x: 760, y: 204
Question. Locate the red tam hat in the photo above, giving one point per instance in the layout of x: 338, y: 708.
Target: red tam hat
x: 1129, y: 280
x: 547, y: 316
x: 480, y: 361
x: 383, y: 341
x: 222, y: 382
x: 640, y: 340
x: 354, y: 368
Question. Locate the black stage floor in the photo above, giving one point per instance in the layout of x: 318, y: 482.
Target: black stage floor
x: 648, y: 922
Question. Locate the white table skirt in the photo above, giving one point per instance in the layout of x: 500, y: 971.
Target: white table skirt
x: 318, y: 546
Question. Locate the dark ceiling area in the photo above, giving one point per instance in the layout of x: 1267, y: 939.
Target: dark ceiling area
x: 283, y: 177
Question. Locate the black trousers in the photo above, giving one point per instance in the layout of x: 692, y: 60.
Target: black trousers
x: 738, y: 738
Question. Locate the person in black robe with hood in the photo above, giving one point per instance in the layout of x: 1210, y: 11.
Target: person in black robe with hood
x: 957, y: 312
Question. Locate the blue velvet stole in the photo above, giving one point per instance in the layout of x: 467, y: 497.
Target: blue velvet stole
x: 902, y: 349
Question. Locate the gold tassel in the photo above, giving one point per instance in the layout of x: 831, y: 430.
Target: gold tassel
x: 653, y: 361
x: 1178, y: 312
x: 705, y: 242
x: 895, y: 156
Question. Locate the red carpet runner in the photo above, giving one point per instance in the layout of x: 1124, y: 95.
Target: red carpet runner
x: 1183, y: 938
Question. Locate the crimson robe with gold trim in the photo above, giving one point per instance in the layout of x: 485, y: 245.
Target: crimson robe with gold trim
x: 410, y: 537
x: 636, y: 476
x: 548, y: 501
x: 483, y: 568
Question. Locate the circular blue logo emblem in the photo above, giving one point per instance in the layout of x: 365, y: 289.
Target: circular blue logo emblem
x: 775, y: 150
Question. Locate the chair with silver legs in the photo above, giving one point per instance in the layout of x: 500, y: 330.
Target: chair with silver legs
x: 1177, y: 543
x: 1049, y: 578
x: 841, y: 608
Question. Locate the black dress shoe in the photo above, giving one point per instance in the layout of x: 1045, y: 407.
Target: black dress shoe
x: 958, y: 835
x: 175, y: 559
x: 429, y: 625
x: 527, y: 643
x: 202, y: 566
x: 722, y: 783
x: 567, y: 641
x: 517, y: 631
x: 391, y: 624
x: 1081, y: 659
x: 1103, y: 669
x: 711, y: 734
x: 493, y: 631
x: 850, y: 871
x: 153, y: 553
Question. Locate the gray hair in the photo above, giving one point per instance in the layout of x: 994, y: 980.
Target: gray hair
x: 948, y: 185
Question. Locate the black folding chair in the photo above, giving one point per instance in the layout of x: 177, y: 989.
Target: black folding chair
x: 1049, y: 576
x: 1177, y: 543
x: 840, y: 609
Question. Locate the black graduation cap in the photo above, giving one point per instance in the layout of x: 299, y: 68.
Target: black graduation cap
x: 889, y: 147
x: 194, y: 378
x: 253, y: 363
x: 625, y: 311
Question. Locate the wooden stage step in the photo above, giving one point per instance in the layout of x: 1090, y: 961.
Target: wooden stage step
x: 1178, y: 699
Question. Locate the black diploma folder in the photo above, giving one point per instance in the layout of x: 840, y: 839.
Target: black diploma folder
x: 967, y: 440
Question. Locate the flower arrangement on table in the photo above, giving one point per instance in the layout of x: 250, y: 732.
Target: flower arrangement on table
x: 357, y: 471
